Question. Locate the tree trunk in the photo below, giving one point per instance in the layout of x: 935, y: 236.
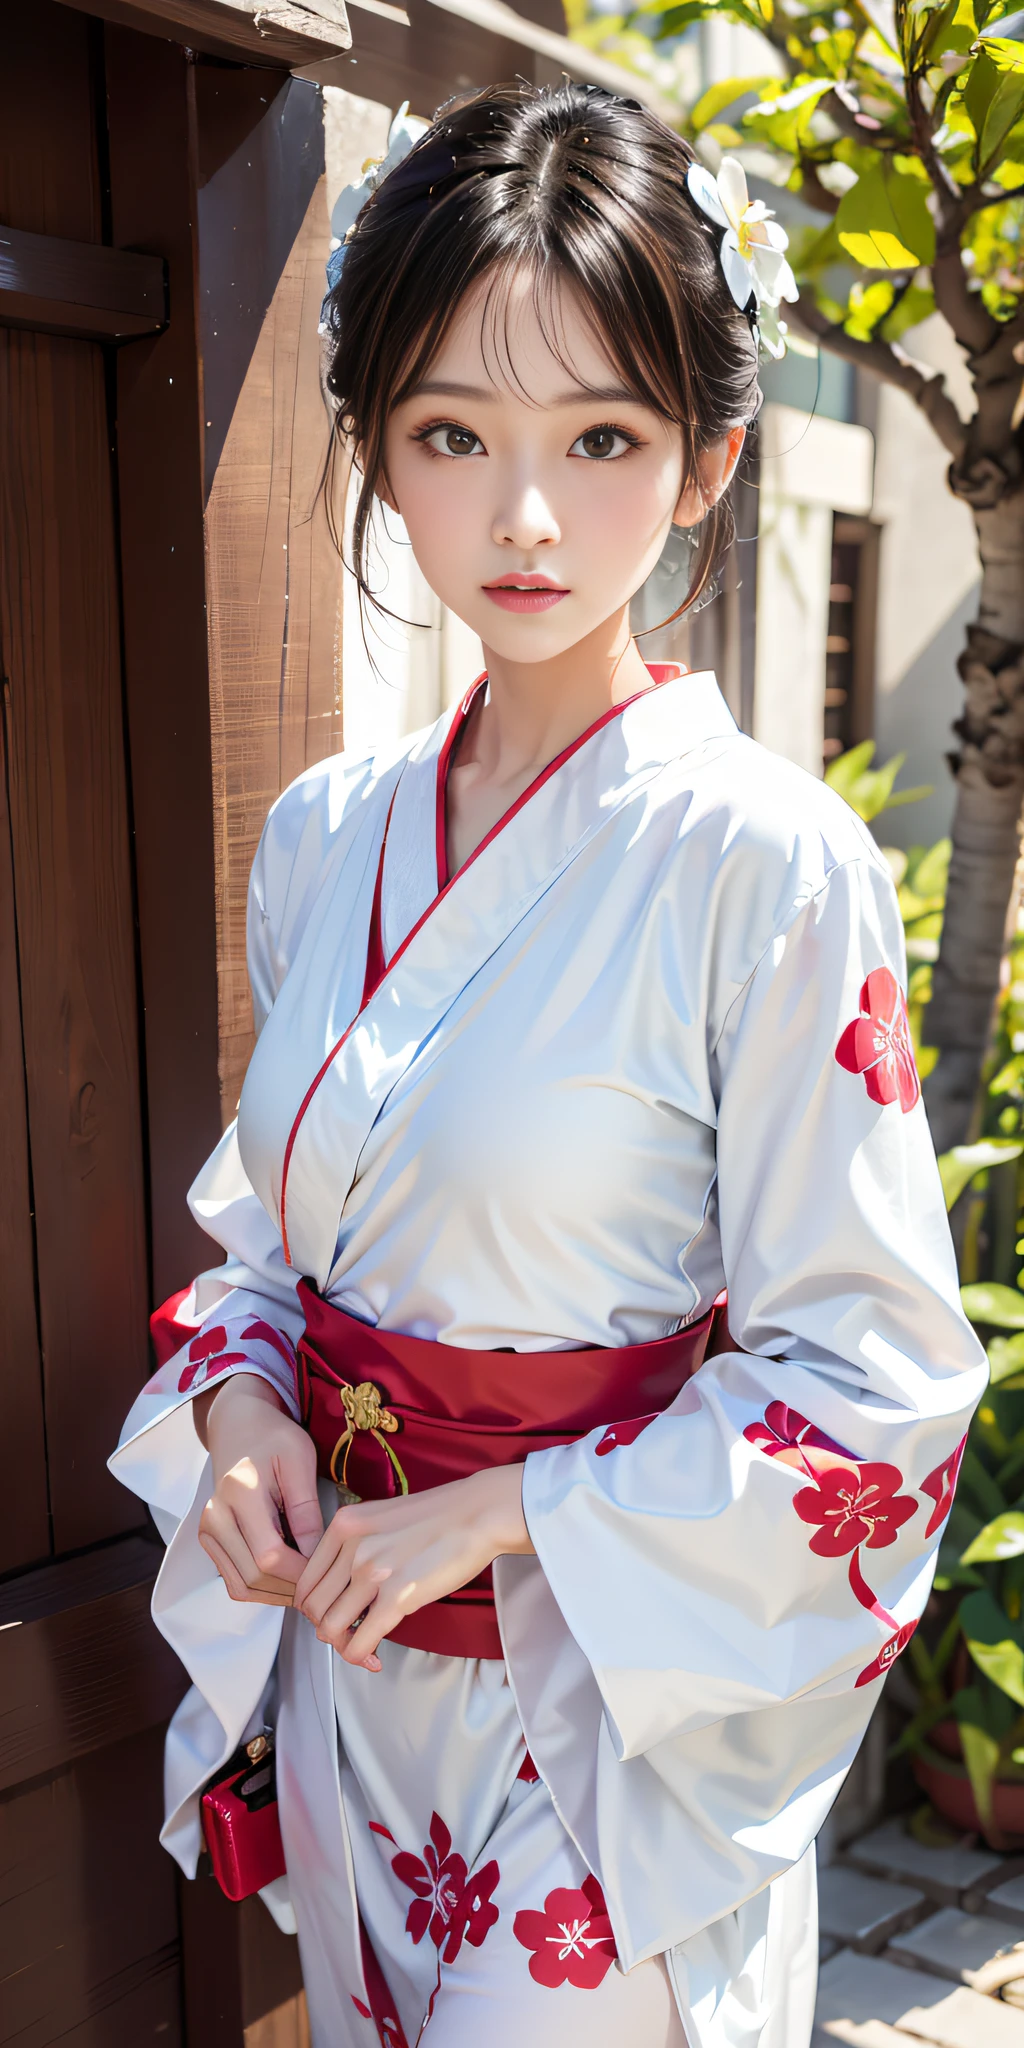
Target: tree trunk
x: 989, y: 768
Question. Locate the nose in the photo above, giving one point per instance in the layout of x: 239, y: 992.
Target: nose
x: 526, y: 519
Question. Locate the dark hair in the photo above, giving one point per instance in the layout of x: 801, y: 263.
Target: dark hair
x: 570, y: 179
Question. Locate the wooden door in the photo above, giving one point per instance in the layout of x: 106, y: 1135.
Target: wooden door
x: 89, y: 1935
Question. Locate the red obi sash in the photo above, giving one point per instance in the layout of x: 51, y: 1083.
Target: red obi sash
x: 392, y: 1414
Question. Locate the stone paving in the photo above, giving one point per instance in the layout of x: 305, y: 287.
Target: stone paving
x: 921, y: 1947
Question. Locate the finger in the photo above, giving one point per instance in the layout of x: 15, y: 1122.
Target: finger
x: 297, y: 1479
x: 336, y: 1630
x: 219, y: 1524
x: 234, y: 1583
x: 385, y: 1613
x: 330, y: 1587
x: 233, y: 1580
x: 344, y: 1613
x: 361, y: 1647
x: 254, y: 1509
x: 327, y: 1551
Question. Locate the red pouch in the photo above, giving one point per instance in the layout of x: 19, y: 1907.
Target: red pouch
x: 240, y: 1821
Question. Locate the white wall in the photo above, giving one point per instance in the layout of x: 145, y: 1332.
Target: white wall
x: 811, y: 467
x: 928, y: 586
x: 407, y: 669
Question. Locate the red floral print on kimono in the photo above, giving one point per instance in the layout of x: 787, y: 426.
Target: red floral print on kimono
x: 878, y: 1043
x: 855, y: 1504
x: 940, y: 1486
x: 448, y: 1903
x: 571, y: 1939
x: 207, y: 1359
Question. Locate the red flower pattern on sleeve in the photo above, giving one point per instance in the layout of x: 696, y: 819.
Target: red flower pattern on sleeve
x: 207, y: 1359
x: 571, y: 1939
x: 784, y: 1429
x: 878, y: 1043
x: 855, y: 1504
x: 619, y: 1433
x: 940, y: 1487
x: 852, y: 1505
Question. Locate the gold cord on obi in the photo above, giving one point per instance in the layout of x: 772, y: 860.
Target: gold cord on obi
x: 363, y: 1408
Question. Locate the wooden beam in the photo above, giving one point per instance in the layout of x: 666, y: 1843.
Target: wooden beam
x: 284, y: 33
x: 79, y: 288
x: 153, y: 205
x: 424, y: 50
x: 81, y: 1664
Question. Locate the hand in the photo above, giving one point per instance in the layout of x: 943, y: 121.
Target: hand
x: 264, y: 1466
x: 384, y: 1559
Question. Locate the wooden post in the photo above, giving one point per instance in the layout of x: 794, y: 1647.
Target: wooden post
x: 153, y: 175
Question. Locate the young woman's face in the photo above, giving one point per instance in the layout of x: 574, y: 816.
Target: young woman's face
x: 537, y: 499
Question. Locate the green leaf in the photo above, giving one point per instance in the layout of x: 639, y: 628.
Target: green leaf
x: 931, y: 872
x: 916, y: 304
x: 958, y: 1168
x: 920, y: 789
x: 784, y: 117
x: 985, y: 1301
x: 1005, y: 1358
x: 1007, y: 1082
x: 998, y: 1540
x: 720, y: 96
x: 994, y: 1643
x: 978, y: 1485
x: 952, y: 27
x: 845, y: 770
x: 981, y: 1751
x: 994, y: 97
x: 869, y: 304
x: 883, y: 221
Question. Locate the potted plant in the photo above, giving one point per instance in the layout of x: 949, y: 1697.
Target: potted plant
x: 966, y: 1737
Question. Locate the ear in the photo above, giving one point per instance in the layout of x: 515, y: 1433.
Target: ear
x: 386, y: 494
x: 717, y: 467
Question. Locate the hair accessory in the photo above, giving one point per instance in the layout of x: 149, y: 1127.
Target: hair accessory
x: 752, y: 249
x: 405, y: 131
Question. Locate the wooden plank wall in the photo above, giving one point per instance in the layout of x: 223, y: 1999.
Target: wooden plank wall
x: 274, y: 596
x: 150, y: 105
x: 69, y: 827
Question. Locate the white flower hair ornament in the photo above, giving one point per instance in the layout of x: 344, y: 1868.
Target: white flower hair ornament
x: 752, y: 251
x: 405, y: 131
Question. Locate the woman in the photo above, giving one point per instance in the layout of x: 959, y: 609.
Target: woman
x: 574, y: 1010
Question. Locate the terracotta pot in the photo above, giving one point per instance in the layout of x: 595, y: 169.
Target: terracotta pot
x: 946, y: 1783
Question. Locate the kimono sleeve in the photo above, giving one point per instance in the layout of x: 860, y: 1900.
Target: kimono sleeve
x: 741, y: 1573
x: 240, y: 1316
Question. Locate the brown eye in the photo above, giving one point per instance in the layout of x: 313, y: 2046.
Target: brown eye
x: 448, y: 438
x: 603, y: 444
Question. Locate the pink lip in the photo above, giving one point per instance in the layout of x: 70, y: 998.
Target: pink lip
x: 528, y: 592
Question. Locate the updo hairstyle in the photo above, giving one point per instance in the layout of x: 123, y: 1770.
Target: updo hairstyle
x: 519, y: 180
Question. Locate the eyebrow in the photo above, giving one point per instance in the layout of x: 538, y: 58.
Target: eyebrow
x: 576, y: 394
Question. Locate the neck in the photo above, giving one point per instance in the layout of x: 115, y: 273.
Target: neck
x: 535, y: 709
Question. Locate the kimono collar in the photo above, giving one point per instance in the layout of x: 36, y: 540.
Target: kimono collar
x: 658, y: 725
x: 434, y: 942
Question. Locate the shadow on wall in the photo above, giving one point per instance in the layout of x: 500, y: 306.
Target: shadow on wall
x: 916, y: 719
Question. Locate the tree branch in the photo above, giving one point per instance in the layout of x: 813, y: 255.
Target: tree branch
x: 965, y: 311
x: 812, y: 189
x: 883, y: 361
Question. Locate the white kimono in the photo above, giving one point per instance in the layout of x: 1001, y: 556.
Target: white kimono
x: 649, y: 1042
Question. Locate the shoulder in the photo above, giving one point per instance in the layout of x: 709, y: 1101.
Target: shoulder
x: 776, y: 830
x: 760, y: 843
x: 332, y: 813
